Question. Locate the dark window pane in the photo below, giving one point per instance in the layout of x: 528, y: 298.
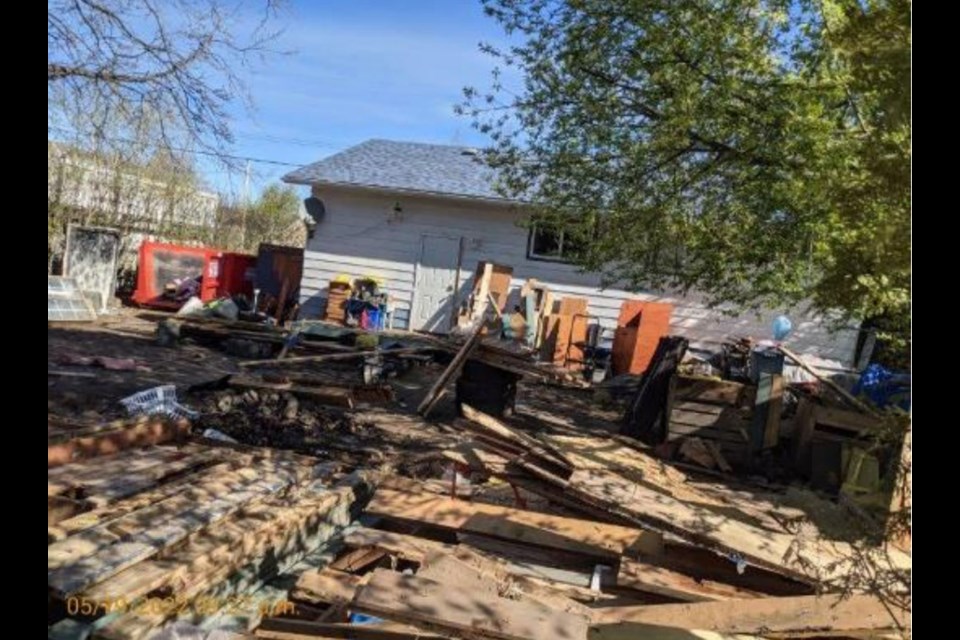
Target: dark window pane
x: 545, y: 243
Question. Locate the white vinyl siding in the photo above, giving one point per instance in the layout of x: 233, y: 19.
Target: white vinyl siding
x: 360, y: 235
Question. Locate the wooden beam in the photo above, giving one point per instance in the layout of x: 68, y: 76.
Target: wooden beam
x: 436, y: 391
x: 456, y: 610
x: 641, y: 576
x: 327, y: 357
x: 155, y: 430
x: 843, y: 393
x: 334, y: 396
x: 796, y: 617
x: 585, y: 537
x: 327, y: 586
x: 286, y: 629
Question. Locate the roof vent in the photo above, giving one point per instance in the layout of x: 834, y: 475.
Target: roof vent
x: 470, y: 151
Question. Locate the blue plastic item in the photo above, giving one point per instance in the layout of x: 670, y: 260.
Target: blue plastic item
x: 884, y: 387
x: 359, y: 618
x: 782, y: 328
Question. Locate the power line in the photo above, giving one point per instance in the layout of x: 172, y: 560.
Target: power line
x: 211, y: 154
x: 302, y: 142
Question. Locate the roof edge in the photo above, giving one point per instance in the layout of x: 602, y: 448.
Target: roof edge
x: 421, y: 192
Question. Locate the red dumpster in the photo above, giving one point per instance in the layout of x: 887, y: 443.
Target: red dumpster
x: 221, y: 273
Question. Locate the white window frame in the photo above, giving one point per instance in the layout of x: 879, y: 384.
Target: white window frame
x: 531, y: 255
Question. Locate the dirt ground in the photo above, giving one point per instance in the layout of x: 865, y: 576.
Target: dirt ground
x: 368, y: 433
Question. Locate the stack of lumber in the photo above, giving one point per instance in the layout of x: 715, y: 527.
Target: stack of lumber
x: 431, y: 566
x: 143, y: 535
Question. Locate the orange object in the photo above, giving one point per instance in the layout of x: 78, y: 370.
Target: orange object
x: 639, y: 329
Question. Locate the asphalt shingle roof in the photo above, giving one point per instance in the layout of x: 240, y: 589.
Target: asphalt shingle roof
x: 406, y: 166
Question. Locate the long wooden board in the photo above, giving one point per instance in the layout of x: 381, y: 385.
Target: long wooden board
x: 334, y: 396
x: 436, y: 391
x: 653, y: 579
x: 779, y: 617
x: 138, y: 434
x: 286, y: 629
x: 327, y: 586
x: 568, y: 534
x: 448, y: 608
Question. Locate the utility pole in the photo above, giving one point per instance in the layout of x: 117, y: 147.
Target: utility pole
x: 245, y: 206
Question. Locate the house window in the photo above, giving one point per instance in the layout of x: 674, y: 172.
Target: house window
x: 551, y: 244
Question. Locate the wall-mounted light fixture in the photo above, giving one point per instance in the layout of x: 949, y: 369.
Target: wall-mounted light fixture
x: 396, y: 213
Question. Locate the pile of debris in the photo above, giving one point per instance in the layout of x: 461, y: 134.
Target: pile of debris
x: 646, y: 550
x: 309, y: 483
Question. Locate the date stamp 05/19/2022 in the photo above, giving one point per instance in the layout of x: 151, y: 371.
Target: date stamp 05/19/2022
x: 200, y: 605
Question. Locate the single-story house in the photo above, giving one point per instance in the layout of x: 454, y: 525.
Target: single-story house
x: 420, y: 216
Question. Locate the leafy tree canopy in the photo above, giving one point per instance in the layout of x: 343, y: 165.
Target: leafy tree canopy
x: 757, y: 150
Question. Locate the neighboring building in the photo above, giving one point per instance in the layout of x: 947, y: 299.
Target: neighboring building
x: 420, y: 217
x: 82, y: 185
x: 83, y: 188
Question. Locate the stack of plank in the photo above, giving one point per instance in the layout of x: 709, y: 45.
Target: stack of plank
x: 432, y: 566
x: 138, y: 535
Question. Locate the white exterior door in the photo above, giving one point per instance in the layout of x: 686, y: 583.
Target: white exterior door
x: 435, y: 282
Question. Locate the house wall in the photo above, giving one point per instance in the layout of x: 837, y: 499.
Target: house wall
x: 360, y: 235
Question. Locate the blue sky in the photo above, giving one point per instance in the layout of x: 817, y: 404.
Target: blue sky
x: 361, y: 69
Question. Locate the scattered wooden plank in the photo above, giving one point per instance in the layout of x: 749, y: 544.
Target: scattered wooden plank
x: 139, y: 434
x: 556, y: 532
x: 404, y: 546
x: 819, y: 560
x: 797, y: 616
x: 327, y: 586
x: 60, y: 373
x: 335, y: 396
x: 540, y: 449
x: 328, y: 357
x: 636, y: 631
x: 852, y: 421
x: 765, y: 422
x: 709, y: 390
x: 286, y: 629
x: 843, y: 393
x: 436, y: 391
x: 445, y: 568
x: 718, y: 456
x: 60, y: 508
x: 249, y: 534
x: 358, y: 559
x: 635, y: 574
x: 419, y: 601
